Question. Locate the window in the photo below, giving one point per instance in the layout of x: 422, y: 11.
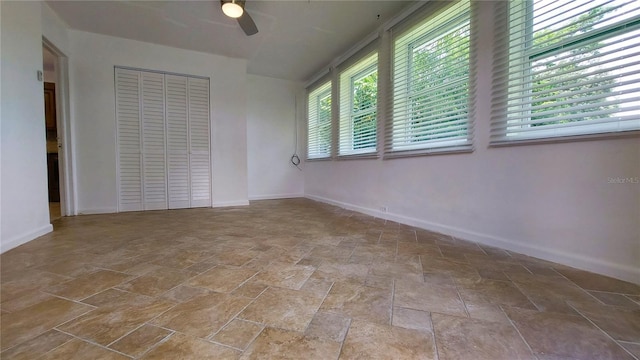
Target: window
x: 319, y: 122
x: 568, y: 68
x: 432, y: 84
x: 358, y: 107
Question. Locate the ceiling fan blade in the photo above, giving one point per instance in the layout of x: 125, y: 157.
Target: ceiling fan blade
x: 246, y: 23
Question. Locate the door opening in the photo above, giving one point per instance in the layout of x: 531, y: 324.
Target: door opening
x: 51, y: 132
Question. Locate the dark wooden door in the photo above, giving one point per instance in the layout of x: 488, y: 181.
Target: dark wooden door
x: 53, y: 174
x: 50, y: 105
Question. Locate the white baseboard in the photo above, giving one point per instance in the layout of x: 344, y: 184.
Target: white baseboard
x: 230, y: 203
x: 275, y: 196
x: 97, y: 211
x: 25, y: 238
x: 622, y: 272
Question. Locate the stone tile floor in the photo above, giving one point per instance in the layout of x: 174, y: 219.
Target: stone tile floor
x: 292, y: 279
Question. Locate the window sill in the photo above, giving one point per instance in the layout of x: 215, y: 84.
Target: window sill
x: 359, y: 156
x: 464, y: 149
x: 328, y: 158
x: 564, y: 139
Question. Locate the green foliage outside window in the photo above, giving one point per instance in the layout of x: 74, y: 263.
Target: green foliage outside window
x: 365, y: 94
x: 562, y: 73
x: 439, y: 87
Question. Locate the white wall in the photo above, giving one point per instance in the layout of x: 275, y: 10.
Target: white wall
x: 24, y: 209
x: 92, y: 62
x: 551, y: 201
x: 270, y: 137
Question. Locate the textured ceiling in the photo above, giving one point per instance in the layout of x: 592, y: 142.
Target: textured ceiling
x: 296, y: 38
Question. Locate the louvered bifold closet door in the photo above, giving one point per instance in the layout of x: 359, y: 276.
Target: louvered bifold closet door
x: 129, y: 140
x: 153, y: 142
x: 200, y: 161
x: 177, y: 141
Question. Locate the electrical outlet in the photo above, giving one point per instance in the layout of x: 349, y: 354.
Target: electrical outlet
x: 383, y: 208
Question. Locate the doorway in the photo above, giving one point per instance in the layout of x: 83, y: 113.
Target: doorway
x: 51, y: 133
x: 56, y: 109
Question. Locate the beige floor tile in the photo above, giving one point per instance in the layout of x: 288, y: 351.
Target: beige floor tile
x: 635, y: 298
x: 283, y: 308
x: 142, y: 269
x: 493, y: 292
x: 140, y: 340
x: 428, y: 297
x: 232, y: 257
x: 37, y: 346
x: 550, y: 293
x: 329, y: 252
x: 104, y: 325
x: 411, y: 319
x: 182, y: 293
x: 340, y: 279
x: 430, y: 250
x: 89, y: 284
x: 438, y: 278
x: 366, y: 340
x: 79, y: 350
x: 31, y: 281
x: 332, y: 272
x: 116, y: 299
x: 328, y: 326
x: 238, y: 333
x: 285, y: 275
x: 156, y: 282
x: 27, y: 299
x: 119, y: 264
x: 250, y: 289
x: 180, y: 346
x: 31, y: 321
x: 355, y: 300
x: 564, y: 335
x: 486, y: 311
x: 591, y: 281
x: 69, y: 268
x: 183, y: 259
x: 620, y: 323
x: 277, y: 344
x: 442, y: 266
x: 398, y: 271
x: 203, y: 315
x: 633, y: 348
x: 317, y: 286
x: 222, y: 278
x: 614, y: 299
x: 201, y: 267
x: 464, y: 338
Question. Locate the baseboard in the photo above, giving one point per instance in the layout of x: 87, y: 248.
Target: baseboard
x: 230, y: 203
x: 622, y: 272
x: 25, y: 238
x: 275, y: 196
x: 97, y: 211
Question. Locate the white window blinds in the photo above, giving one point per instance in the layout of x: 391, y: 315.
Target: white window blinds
x: 319, y: 122
x: 432, y: 84
x: 358, y: 107
x: 566, y: 68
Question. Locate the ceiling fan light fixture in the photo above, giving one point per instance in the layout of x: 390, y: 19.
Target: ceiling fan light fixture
x: 232, y: 9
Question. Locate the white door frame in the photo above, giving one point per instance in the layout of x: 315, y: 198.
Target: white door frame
x: 66, y: 163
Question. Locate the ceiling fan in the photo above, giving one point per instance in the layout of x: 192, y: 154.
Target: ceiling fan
x: 235, y: 9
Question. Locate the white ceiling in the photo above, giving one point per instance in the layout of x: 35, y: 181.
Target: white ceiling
x: 296, y: 38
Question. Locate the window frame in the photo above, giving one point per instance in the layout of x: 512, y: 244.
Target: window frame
x: 317, y: 94
x: 505, y: 131
x: 365, y: 66
x: 402, y: 62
